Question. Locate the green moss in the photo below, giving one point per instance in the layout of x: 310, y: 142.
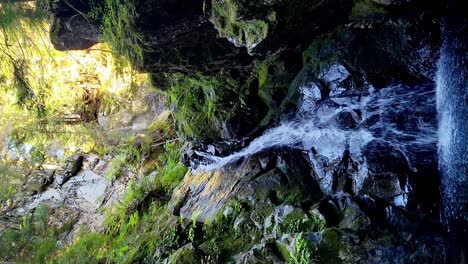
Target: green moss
x: 185, y: 255
x: 261, y: 212
x: 203, y: 104
x: 273, y: 83
x: 326, y: 50
x: 283, y: 251
x: 229, y: 23
x: 299, y: 222
x: 330, y: 246
x: 366, y: 9
x: 119, y: 30
x: 221, y: 241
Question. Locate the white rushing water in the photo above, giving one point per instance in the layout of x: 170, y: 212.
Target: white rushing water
x: 452, y: 107
x: 402, y: 116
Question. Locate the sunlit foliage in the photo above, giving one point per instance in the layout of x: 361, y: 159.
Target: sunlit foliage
x: 50, y: 101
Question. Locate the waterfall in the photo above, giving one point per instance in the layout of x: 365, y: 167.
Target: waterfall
x: 452, y: 106
x: 400, y: 115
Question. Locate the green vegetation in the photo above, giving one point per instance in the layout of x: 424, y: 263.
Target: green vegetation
x: 202, y: 104
x: 242, y: 32
x: 35, y: 239
x: 273, y: 84
x: 325, y: 50
x: 118, y: 26
x: 366, y: 9
x: 303, y: 253
x: 140, y: 223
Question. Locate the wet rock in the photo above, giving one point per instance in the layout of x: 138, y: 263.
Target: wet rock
x: 262, y: 26
x: 347, y: 119
x: 207, y: 192
x: 341, y: 246
x: 352, y: 216
x: 263, y: 253
x: 388, y: 170
x: 37, y: 182
x: 403, y: 49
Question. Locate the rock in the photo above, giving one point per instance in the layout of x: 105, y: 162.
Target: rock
x: 185, y: 255
x: 388, y: 170
x: 392, y: 2
x: 79, y: 200
x: 74, y: 33
x: 341, y: 246
x: 71, y: 168
x: 38, y: 182
x: 347, y: 119
x: 262, y: 253
x: 207, y: 192
x: 353, y: 217
x: 268, y: 26
x: 404, y: 49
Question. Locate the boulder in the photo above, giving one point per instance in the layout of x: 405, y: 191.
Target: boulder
x: 263, y: 253
x: 207, y: 192
x: 388, y: 170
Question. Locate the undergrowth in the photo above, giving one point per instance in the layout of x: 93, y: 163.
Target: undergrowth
x: 120, y: 31
x: 35, y: 240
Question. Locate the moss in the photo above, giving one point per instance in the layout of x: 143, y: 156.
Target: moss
x: 330, y: 246
x: 273, y: 82
x: 203, y: 105
x: 366, y: 9
x: 261, y: 212
x: 299, y: 222
x: 326, y: 50
x: 185, y: 255
x: 230, y: 24
x: 283, y: 251
x: 292, y: 194
x: 221, y: 241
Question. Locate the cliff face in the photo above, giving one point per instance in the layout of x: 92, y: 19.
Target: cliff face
x: 235, y: 68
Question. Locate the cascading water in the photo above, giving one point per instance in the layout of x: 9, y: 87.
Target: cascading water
x: 401, y: 116
x: 452, y: 106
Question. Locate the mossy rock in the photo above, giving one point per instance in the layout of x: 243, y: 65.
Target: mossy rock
x: 185, y: 255
x: 229, y: 19
x: 203, y: 106
x: 367, y: 9
x: 299, y: 222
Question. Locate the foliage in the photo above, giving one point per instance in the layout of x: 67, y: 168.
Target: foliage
x: 141, y: 222
x: 11, y: 178
x: 119, y: 30
x: 303, y: 251
x: 273, y: 83
x: 35, y: 240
